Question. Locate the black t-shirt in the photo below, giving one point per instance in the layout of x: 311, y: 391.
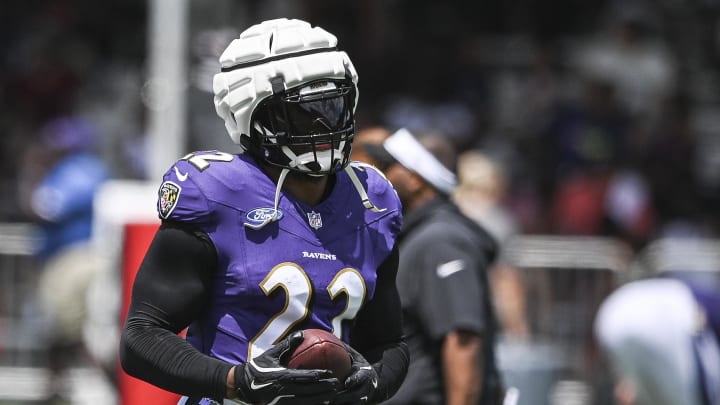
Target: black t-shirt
x: 443, y: 286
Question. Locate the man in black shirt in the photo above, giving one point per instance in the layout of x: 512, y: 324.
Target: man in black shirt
x: 442, y: 278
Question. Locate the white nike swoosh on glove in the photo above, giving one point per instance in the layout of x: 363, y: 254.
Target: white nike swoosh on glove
x: 258, y: 386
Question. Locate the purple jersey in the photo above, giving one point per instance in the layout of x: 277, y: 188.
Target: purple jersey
x: 315, y: 267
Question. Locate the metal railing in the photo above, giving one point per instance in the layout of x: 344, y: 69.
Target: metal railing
x: 561, y: 282
x: 20, y: 345
x: 24, y: 376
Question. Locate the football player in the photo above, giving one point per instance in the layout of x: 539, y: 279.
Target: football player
x: 287, y: 235
x: 661, y: 337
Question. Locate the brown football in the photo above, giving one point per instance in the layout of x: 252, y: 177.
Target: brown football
x: 321, y: 349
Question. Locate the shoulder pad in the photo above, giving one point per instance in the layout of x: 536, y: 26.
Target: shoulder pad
x: 180, y: 196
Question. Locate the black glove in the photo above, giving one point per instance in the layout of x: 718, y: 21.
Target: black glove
x: 264, y: 379
x: 361, y: 384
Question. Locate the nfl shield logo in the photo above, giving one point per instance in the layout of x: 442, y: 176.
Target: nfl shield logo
x: 315, y: 219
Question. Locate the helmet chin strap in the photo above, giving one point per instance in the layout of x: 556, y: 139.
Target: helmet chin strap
x: 273, y: 217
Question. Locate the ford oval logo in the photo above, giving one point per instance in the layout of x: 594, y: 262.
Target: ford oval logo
x: 259, y: 215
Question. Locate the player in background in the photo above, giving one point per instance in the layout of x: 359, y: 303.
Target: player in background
x: 61, y: 175
x: 661, y: 338
x: 288, y: 235
x: 449, y: 324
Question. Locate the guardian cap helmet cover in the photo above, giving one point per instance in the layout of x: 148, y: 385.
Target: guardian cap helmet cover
x: 288, y: 96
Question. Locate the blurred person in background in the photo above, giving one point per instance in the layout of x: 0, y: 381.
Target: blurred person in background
x: 592, y: 182
x: 584, y: 142
x: 628, y: 52
x: 448, y: 317
x: 670, y: 161
x: 257, y: 246
x: 480, y: 195
x: 372, y: 136
x: 62, y: 174
x: 661, y: 337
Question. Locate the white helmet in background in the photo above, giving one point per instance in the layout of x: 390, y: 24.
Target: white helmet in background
x: 288, y: 96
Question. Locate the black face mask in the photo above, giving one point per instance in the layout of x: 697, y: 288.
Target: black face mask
x: 318, y: 116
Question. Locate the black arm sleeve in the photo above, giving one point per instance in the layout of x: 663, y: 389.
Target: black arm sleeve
x: 377, y: 333
x: 171, y: 287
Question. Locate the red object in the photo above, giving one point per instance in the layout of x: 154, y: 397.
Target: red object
x: 136, y: 240
x: 579, y: 206
x: 321, y: 349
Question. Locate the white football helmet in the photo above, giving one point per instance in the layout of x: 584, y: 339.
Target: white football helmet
x: 288, y: 96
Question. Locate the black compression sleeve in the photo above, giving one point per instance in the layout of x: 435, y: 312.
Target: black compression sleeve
x: 391, y: 368
x: 171, y: 288
x: 377, y: 334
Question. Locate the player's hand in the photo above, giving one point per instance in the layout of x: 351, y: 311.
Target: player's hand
x: 361, y: 384
x: 264, y: 379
